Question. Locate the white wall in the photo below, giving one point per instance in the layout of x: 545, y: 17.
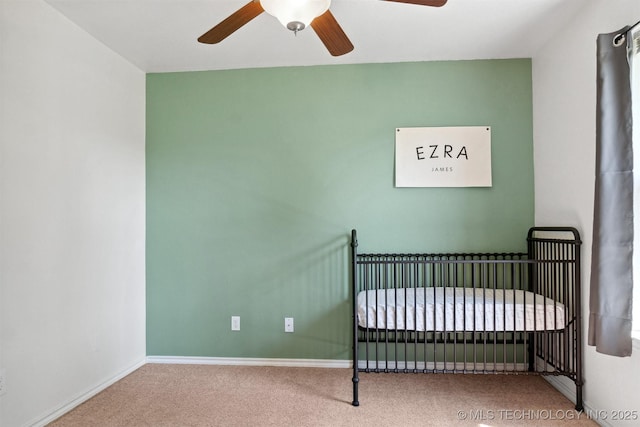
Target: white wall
x: 564, y: 93
x: 72, y: 213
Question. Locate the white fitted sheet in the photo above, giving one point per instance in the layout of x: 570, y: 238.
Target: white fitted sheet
x: 458, y: 309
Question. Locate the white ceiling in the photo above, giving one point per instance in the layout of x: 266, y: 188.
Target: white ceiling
x: 160, y: 35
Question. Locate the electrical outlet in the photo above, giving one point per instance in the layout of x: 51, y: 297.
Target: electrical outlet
x: 288, y: 324
x: 235, y: 323
x: 3, y: 382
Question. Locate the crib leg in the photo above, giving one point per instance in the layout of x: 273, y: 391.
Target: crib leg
x: 355, y: 390
x: 579, y: 406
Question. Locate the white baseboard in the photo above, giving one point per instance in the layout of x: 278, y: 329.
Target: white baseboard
x: 250, y: 361
x: 46, y: 419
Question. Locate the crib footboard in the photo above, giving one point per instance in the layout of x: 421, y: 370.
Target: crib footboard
x: 470, y: 312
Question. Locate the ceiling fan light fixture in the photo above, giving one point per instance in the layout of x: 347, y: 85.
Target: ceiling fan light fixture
x: 295, y: 15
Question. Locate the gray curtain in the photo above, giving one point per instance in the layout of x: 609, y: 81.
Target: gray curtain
x: 611, y: 293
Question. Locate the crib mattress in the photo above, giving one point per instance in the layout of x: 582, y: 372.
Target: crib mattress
x: 458, y: 309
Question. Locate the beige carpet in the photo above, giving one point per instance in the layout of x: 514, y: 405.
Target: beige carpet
x: 204, y: 395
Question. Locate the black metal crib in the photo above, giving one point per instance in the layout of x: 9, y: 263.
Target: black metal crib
x: 511, y: 313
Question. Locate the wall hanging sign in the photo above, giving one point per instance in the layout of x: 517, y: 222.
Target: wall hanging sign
x: 443, y: 156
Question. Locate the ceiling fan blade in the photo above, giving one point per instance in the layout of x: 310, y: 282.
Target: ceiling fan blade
x: 236, y: 20
x: 434, y: 3
x: 331, y: 34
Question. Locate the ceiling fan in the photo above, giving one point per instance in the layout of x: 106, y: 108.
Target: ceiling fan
x: 296, y: 15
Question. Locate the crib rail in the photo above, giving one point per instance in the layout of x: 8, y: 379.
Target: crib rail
x: 470, y: 312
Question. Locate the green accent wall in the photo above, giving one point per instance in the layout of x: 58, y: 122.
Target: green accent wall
x: 256, y: 177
